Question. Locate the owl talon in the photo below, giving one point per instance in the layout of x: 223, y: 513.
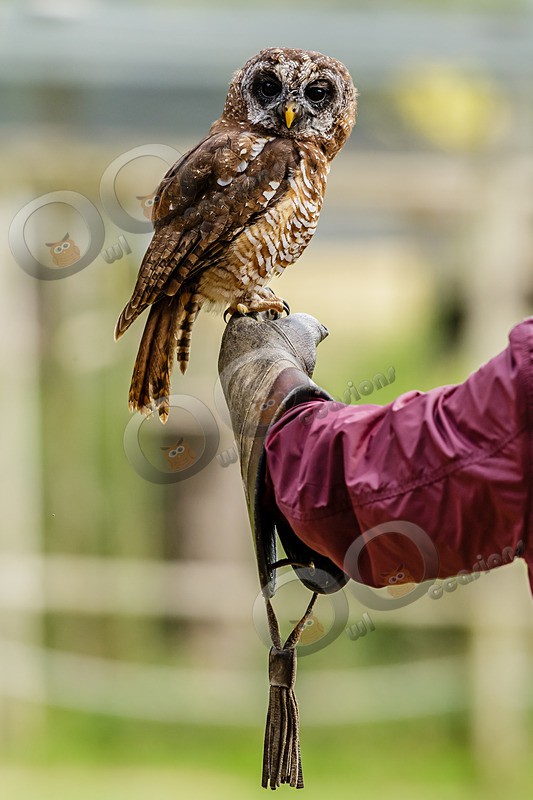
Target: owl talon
x: 239, y: 309
x: 286, y: 307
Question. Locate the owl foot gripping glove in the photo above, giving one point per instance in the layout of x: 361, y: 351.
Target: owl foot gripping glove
x: 265, y: 368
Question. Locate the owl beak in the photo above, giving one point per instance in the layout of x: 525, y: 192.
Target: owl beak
x: 290, y: 111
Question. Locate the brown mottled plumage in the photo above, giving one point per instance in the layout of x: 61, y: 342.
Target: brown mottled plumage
x: 239, y: 207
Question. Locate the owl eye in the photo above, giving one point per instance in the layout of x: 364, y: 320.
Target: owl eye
x: 58, y: 249
x: 66, y: 245
x: 267, y: 87
x: 149, y: 203
x: 317, y: 92
x: 177, y: 451
x: 400, y: 576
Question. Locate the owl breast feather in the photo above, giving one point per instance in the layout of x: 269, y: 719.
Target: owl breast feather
x: 274, y: 240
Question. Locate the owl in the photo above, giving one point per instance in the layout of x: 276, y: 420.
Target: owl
x: 147, y: 203
x: 180, y: 455
x: 238, y: 208
x: 65, y: 252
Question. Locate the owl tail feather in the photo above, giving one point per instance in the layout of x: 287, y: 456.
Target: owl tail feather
x: 192, y: 308
x: 150, y: 382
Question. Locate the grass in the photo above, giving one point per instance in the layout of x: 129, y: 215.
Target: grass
x: 81, y: 756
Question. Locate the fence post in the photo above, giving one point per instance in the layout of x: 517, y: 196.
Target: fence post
x: 20, y: 489
x: 500, y: 671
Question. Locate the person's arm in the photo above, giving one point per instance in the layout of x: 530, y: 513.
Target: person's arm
x: 430, y: 485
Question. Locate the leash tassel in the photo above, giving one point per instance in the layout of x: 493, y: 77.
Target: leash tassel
x: 281, y: 754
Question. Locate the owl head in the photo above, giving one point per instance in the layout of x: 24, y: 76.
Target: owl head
x: 64, y: 252
x: 296, y: 94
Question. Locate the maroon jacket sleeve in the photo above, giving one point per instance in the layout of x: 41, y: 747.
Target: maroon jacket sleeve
x: 431, y: 485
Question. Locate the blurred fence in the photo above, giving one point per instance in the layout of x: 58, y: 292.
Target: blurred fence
x: 491, y: 681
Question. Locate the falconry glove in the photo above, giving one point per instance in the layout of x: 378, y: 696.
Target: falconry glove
x: 265, y: 368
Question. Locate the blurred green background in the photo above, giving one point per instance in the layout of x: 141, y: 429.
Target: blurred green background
x: 129, y: 662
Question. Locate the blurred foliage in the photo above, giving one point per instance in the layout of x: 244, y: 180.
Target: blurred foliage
x: 452, y: 109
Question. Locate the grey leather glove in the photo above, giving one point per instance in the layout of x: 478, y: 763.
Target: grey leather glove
x: 265, y: 368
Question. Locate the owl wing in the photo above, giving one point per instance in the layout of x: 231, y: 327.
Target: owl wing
x: 204, y: 201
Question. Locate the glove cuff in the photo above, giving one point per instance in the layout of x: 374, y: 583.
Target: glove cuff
x: 316, y: 571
